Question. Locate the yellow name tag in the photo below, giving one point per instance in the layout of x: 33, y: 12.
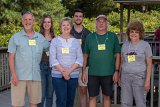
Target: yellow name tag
x: 131, y: 58
x: 65, y: 50
x: 32, y: 42
x: 101, y: 47
x: 80, y: 40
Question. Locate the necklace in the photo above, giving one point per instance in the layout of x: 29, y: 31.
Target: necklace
x: 104, y: 41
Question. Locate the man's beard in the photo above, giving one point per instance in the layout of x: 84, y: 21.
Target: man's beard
x: 78, y: 23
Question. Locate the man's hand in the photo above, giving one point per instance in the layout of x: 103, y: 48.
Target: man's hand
x: 84, y: 77
x: 116, y: 77
x: 14, y: 80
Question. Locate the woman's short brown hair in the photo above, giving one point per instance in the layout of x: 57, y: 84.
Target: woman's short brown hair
x: 68, y: 19
x: 135, y: 25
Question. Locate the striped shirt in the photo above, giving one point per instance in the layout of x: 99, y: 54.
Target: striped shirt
x: 66, y: 60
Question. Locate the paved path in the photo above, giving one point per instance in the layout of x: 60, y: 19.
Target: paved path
x: 5, y: 100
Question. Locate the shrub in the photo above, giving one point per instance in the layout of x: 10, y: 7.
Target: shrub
x: 149, y: 19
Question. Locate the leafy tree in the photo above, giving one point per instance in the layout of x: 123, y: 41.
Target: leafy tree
x: 70, y: 5
x: 91, y: 7
x: 10, y: 10
x: 96, y: 7
x: 41, y: 7
x: 7, y: 11
x: 10, y: 15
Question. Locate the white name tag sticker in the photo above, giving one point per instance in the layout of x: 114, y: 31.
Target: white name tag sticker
x: 80, y: 40
x: 47, y: 53
x: 65, y: 50
x: 101, y: 47
x: 32, y: 42
x: 131, y: 58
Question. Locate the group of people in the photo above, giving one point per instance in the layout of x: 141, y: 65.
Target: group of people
x: 42, y: 63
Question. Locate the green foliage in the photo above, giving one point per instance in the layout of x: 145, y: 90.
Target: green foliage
x: 89, y: 24
x: 10, y: 10
x: 10, y: 15
x: 91, y: 7
x: 6, y: 31
x: 4, y: 40
x: 114, y: 21
x: 57, y: 27
x: 150, y: 20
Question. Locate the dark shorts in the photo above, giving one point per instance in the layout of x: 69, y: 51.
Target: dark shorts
x: 95, y: 82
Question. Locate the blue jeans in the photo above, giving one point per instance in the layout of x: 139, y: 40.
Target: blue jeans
x: 65, y: 91
x: 47, y: 86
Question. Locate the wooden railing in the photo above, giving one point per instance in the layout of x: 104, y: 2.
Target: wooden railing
x: 4, y: 70
x: 155, y: 77
x: 5, y: 74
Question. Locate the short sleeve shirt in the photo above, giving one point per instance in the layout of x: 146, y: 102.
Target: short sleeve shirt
x: 141, y: 50
x: 28, y: 52
x: 102, y: 62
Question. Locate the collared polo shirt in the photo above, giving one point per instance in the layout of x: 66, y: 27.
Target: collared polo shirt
x: 27, y: 56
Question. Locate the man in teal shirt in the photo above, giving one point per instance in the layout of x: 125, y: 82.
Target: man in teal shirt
x: 102, y: 48
x: 25, y: 50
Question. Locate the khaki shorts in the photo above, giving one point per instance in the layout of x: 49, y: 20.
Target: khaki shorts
x: 33, y: 89
x: 80, y: 80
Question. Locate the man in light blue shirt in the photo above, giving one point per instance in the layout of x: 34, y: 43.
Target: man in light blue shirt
x: 25, y: 50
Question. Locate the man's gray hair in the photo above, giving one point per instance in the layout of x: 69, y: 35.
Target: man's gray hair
x: 27, y: 12
x: 106, y: 26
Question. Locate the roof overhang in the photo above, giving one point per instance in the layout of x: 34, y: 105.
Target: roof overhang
x: 137, y: 2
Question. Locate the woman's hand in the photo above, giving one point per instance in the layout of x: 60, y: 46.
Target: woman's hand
x: 66, y: 74
x: 147, y: 85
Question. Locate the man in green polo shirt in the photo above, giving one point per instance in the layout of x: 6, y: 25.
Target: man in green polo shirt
x: 103, y: 50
